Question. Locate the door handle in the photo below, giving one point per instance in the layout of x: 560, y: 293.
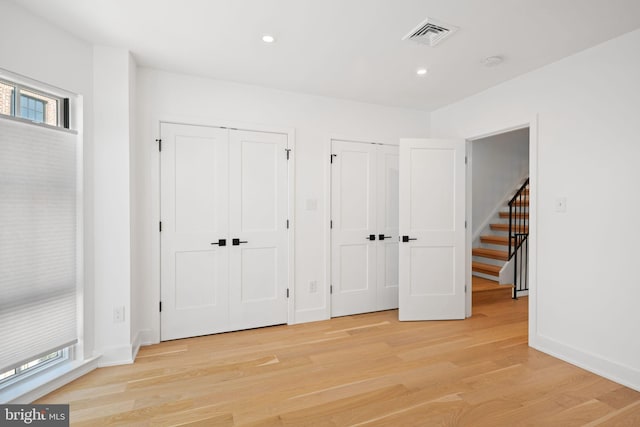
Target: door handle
x: 236, y: 242
x: 405, y: 239
x: 221, y: 242
x: 371, y: 237
x: 382, y: 237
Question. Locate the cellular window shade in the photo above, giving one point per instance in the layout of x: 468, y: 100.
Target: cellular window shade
x: 37, y: 241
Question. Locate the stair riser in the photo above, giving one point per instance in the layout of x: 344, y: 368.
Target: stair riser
x: 486, y: 260
x: 484, y: 276
x: 496, y: 247
x: 501, y: 258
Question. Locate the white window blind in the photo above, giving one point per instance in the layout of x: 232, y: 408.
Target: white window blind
x: 38, y: 233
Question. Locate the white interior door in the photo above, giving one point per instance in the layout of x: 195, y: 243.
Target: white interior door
x: 224, y: 243
x: 258, y: 229
x: 354, y: 224
x: 194, y: 206
x: 364, y: 245
x: 432, y: 215
x: 387, y: 217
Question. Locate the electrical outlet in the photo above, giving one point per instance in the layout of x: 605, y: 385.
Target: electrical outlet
x: 118, y: 314
x: 313, y: 287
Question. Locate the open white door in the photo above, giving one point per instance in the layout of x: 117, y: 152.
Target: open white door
x: 432, y: 229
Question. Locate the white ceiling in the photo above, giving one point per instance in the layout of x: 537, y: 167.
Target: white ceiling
x: 347, y: 49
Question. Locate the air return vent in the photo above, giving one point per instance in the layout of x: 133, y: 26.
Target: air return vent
x: 430, y: 32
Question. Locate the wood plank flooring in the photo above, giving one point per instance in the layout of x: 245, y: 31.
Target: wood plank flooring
x: 365, y: 370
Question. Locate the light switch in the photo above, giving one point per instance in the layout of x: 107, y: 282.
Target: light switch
x: 561, y: 204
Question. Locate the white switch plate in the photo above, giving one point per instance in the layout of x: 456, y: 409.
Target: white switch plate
x: 312, y: 204
x: 561, y: 204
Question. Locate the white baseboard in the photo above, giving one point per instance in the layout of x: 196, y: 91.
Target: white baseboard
x: 313, y: 315
x: 39, y: 385
x: 613, y: 371
x: 117, y: 355
x: 144, y: 337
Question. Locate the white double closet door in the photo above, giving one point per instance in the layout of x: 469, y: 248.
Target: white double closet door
x: 224, y: 240
x: 364, y: 233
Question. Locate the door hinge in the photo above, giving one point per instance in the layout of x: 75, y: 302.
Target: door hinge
x: 288, y: 150
x: 465, y: 224
x: 465, y: 160
x: 332, y: 156
x: 465, y: 289
x: 330, y: 223
x: 287, y: 292
x: 330, y: 289
x: 159, y: 141
x: 160, y: 306
x: 160, y: 226
x: 287, y: 224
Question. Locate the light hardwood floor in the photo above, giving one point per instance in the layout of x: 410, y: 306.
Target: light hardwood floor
x: 366, y: 370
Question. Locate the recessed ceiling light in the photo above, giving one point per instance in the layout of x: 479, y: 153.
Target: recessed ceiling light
x: 268, y: 38
x: 421, y: 71
x: 492, y: 61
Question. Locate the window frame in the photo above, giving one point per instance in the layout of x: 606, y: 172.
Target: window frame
x: 62, y: 112
x: 23, y: 372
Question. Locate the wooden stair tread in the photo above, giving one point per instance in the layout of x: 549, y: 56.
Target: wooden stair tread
x: 524, y: 215
x: 495, y: 240
x: 490, y: 253
x: 521, y: 202
x: 480, y: 284
x: 490, y: 269
x: 518, y: 228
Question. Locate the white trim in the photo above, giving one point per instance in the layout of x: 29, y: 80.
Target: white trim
x: 606, y: 368
x: 312, y: 314
x: 153, y: 336
x: 291, y: 188
x: 335, y: 137
x: 33, y: 388
x: 143, y: 337
x: 326, y: 309
x: 116, y: 355
x: 468, y: 272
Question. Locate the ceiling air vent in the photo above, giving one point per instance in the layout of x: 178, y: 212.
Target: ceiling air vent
x: 430, y: 32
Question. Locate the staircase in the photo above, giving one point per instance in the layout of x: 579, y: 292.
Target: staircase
x: 496, y: 248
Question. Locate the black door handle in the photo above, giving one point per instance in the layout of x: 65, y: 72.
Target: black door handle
x: 221, y: 242
x: 236, y: 242
x: 405, y: 239
x: 382, y: 237
x: 371, y: 237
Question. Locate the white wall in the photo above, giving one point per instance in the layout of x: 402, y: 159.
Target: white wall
x: 52, y: 56
x: 166, y: 96
x: 499, y: 164
x: 112, y: 263
x: 584, y: 304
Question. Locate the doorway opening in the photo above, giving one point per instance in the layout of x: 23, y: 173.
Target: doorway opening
x: 498, y: 213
